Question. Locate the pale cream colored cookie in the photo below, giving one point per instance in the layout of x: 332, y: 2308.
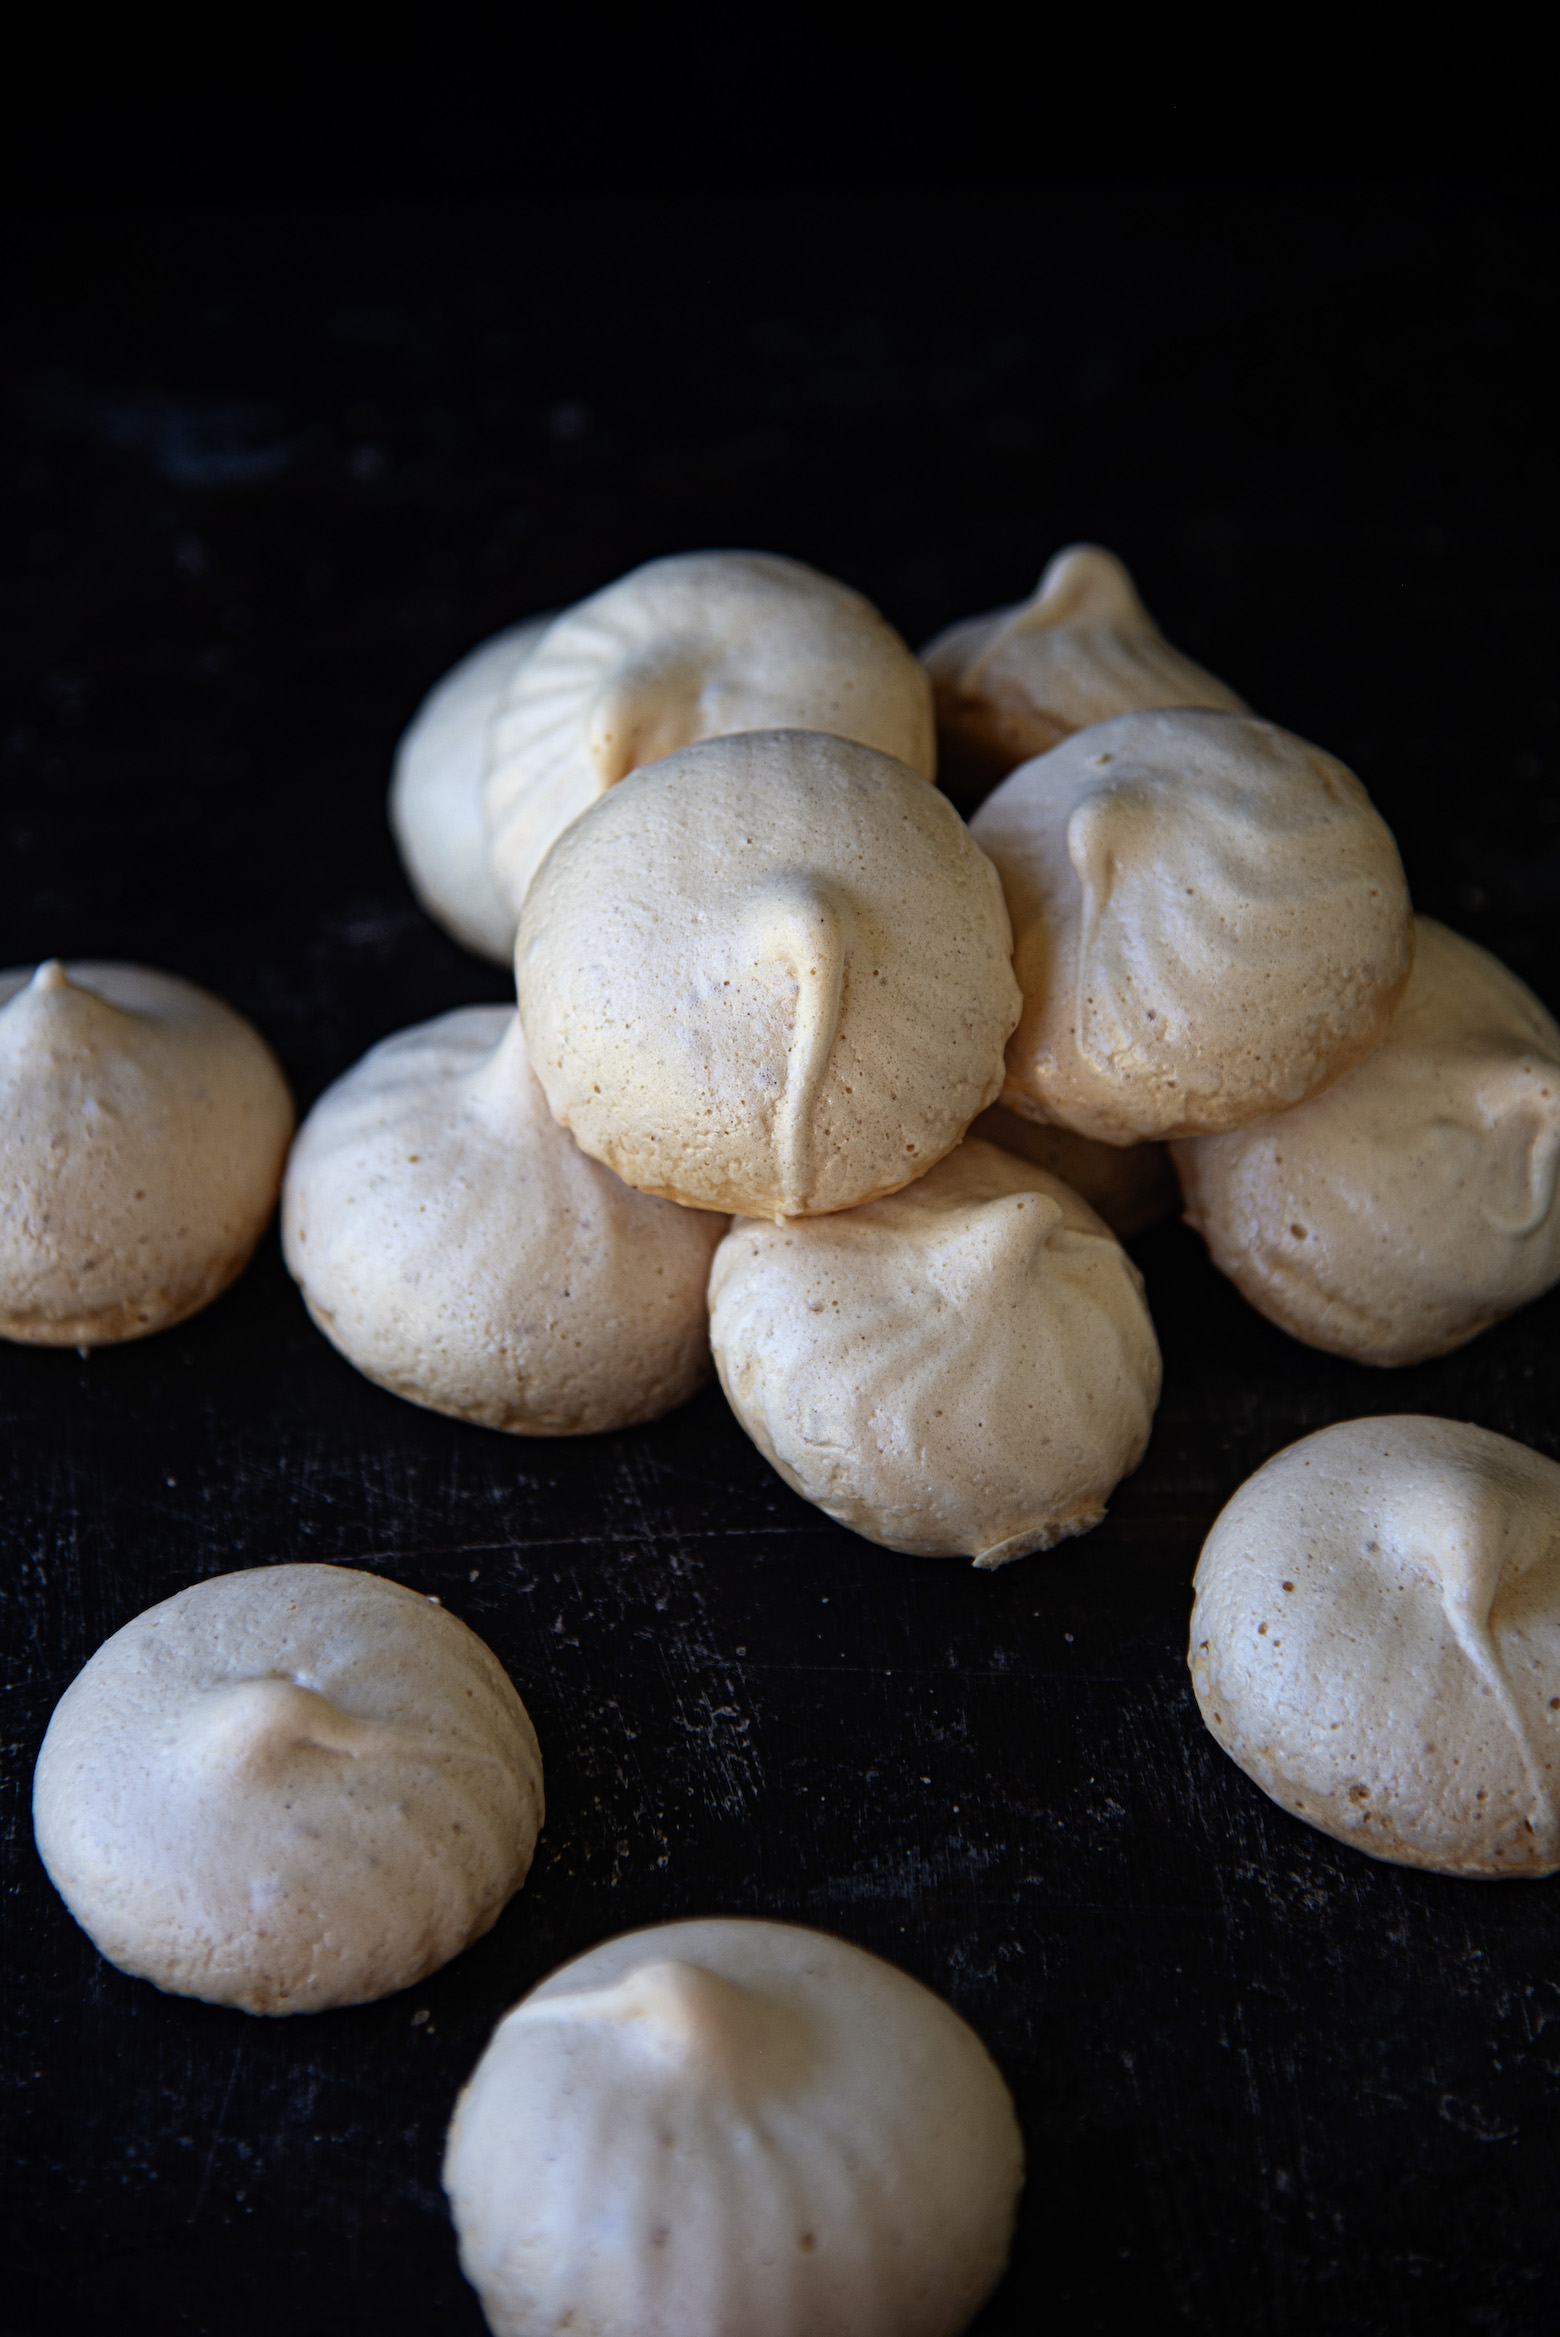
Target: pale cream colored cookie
x: 143, y: 1125
x: 730, y: 2125
x: 1376, y: 1641
x: 1412, y: 1204
x: 436, y: 794
x: 966, y: 1368
x: 460, y: 1249
x: 1083, y: 648
x: 690, y: 648
x: 768, y: 974
x: 286, y: 1789
x: 1210, y: 923
x: 1131, y: 1185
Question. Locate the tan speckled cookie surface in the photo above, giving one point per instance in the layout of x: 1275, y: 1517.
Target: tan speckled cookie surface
x: 1376, y: 1641
x: 768, y: 974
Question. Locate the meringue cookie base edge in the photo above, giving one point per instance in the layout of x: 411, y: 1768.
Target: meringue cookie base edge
x: 1342, y: 1825
x: 1032, y: 1542
x: 1038, y: 1539
x: 1030, y: 1089
x: 1019, y: 1545
x: 138, y: 1318
x: 740, y: 1201
x: 1344, y: 1330
x: 506, y: 1422
x: 254, y: 2003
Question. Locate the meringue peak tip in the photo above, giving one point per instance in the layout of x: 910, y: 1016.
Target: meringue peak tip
x: 1083, y: 581
x: 51, y: 976
x: 685, y: 2014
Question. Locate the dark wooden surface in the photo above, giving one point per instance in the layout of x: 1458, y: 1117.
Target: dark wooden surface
x: 265, y: 476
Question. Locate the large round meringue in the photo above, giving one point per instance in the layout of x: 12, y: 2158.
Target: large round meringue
x: 1413, y: 1203
x: 289, y: 1788
x: 457, y: 1246
x: 687, y: 648
x: 730, y: 2126
x: 436, y: 809
x: 1210, y: 923
x: 768, y: 974
x: 966, y: 1368
x: 1081, y: 649
x: 143, y: 1125
x: 1376, y: 1641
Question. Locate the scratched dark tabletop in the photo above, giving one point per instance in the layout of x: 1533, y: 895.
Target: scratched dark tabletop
x: 265, y: 476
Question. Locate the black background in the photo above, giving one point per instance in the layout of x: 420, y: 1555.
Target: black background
x: 267, y: 472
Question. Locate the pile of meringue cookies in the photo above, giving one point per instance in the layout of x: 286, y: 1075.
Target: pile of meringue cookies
x: 809, y: 1077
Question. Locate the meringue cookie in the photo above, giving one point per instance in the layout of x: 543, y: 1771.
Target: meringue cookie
x: 683, y: 649
x: 1376, y: 1641
x: 286, y: 1789
x: 769, y: 974
x: 1132, y: 1186
x: 967, y: 1367
x: 1084, y: 648
x: 143, y: 1125
x: 728, y: 2125
x: 460, y: 1249
x: 1210, y: 924
x: 1412, y: 1204
x: 436, y: 794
